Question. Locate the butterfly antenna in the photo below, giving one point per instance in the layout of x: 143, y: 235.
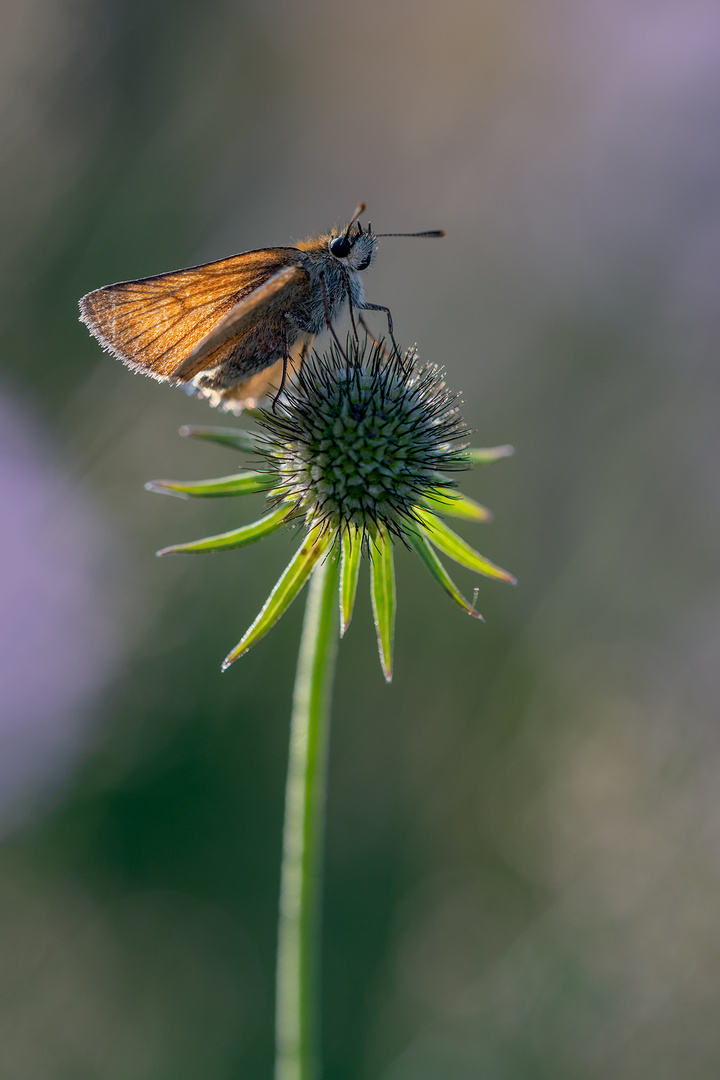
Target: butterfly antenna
x: 432, y: 232
x: 359, y: 209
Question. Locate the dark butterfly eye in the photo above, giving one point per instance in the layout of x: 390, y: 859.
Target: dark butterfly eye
x: 364, y: 264
x: 340, y: 247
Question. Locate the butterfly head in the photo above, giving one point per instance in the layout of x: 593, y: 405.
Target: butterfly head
x: 354, y: 248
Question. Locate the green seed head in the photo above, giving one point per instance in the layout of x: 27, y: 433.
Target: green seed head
x: 358, y: 449
x: 360, y: 437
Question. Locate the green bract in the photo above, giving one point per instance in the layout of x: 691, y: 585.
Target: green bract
x: 356, y: 457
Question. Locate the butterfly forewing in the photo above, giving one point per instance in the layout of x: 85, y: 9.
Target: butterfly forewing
x: 154, y: 324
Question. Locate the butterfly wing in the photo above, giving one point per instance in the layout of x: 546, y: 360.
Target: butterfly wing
x: 265, y: 301
x: 247, y: 393
x: 154, y: 324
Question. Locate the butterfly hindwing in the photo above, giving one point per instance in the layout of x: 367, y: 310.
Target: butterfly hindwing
x: 246, y: 393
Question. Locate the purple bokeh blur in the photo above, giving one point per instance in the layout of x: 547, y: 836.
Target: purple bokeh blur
x: 62, y: 632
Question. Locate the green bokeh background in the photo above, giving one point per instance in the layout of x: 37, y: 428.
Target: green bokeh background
x: 523, y: 843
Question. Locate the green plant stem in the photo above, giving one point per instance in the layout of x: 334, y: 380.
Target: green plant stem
x: 296, y: 1022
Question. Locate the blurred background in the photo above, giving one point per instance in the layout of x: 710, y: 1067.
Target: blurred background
x: 523, y: 844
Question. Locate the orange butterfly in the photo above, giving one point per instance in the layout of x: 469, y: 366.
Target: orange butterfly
x: 231, y: 327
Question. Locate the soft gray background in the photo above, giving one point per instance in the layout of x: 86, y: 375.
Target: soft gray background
x: 523, y: 859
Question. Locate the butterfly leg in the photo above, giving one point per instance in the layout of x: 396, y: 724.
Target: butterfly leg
x: 376, y: 341
x: 350, y: 304
x: 328, y: 316
x: 285, y: 365
x: 379, y: 307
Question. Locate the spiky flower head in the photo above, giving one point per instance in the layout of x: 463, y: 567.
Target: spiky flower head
x: 355, y: 454
x: 360, y: 439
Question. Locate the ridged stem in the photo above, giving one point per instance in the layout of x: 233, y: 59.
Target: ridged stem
x: 297, y: 1001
